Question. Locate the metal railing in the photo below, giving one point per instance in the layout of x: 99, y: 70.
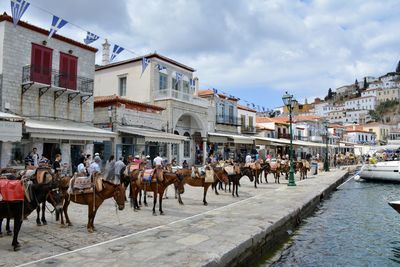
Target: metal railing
x: 248, y: 129
x: 55, y: 78
x: 229, y: 120
x: 179, y: 95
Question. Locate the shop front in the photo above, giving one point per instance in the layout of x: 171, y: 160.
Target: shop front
x: 230, y: 146
x: 10, y: 138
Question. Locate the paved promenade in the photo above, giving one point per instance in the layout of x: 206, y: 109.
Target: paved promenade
x: 189, y: 235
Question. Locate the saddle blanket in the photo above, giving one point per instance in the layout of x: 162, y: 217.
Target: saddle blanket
x: 11, y: 190
x: 43, y: 176
x: 81, y: 183
x: 306, y: 164
x: 148, y: 174
x: 175, y: 168
x: 230, y: 170
x: 209, y: 176
x: 274, y: 165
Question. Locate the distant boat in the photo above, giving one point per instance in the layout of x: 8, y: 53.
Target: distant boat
x: 395, y: 205
x: 382, y: 171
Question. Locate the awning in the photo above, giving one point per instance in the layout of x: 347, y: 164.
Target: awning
x: 66, y: 130
x: 238, y: 139
x: 275, y: 141
x: 152, y: 135
x: 10, y: 117
x: 10, y: 131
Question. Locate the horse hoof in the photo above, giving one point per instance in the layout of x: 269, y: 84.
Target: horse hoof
x: 154, y: 214
x: 9, y: 232
x: 44, y: 222
x: 17, y: 247
x: 205, y: 204
x: 90, y: 230
x: 161, y: 213
x: 69, y: 224
x: 1, y: 234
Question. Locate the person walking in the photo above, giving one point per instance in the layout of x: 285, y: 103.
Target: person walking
x: 110, y: 169
x: 118, y: 166
x: 95, y: 166
x: 35, y: 157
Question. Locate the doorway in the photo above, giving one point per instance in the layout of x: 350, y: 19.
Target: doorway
x: 50, y: 150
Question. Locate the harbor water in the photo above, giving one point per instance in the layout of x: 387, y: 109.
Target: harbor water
x: 353, y: 227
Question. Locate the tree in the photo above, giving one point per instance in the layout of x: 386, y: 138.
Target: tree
x: 330, y: 95
x: 398, y: 67
x: 365, y: 83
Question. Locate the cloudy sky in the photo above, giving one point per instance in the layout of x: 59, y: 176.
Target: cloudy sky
x: 253, y: 49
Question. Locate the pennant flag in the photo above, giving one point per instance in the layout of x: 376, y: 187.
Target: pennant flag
x: 158, y: 66
x: 258, y: 107
x: 248, y: 104
x: 90, y: 38
x: 18, y: 8
x: 215, y: 91
x: 56, y: 24
x: 116, y: 50
x: 178, y: 76
x: 253, y: 105
x: 145, y: 63
x: 263, y: 108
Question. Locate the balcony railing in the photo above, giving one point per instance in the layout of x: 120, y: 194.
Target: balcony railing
x: 179, y: 95
x: 228, y: 120
x: 248, y: 129
x: 55, y: 78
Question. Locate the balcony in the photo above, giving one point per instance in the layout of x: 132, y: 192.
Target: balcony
x: 181, y: 96
x: 54, y: 79
x: 227, y: 120
x: 248, y: 129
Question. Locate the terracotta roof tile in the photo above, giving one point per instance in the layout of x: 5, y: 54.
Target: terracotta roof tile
x: 101, y: 101
x: 246, y: 108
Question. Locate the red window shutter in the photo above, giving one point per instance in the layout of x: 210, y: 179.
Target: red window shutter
x: 68, y: 71
x: 41, y: 62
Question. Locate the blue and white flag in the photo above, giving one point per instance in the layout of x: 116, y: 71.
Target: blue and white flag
x: 116, y: 50
x: 90, y: 38
x: 215, y: 91
x: 18, y: 8
x: 56, y: 24
x: 253, y: 105
x: 263, y: 108
x: 160, y: 67
x: 258, y: 107
x: 145, y: 63
x: 179, y: 76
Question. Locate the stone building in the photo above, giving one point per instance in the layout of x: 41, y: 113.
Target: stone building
x: 164, y: 83
x: 48, y: 82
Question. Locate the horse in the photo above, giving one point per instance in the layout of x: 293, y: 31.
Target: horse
x: 303, y: 168
x: 235, y: 178
x: 157, y: 186
x: 20, y: 209
x: 94, y: 200
x: 266, y: 169
x: 131, y: 173
x: 194, y: 178
x: 285, y: 168
x: 256, y: 169
x: 42, y: 175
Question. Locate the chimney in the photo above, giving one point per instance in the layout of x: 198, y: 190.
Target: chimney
x: 106, y: 54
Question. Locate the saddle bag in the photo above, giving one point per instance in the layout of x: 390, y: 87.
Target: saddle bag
x: 209, y: 176
x: 11, y: 190
x: 148, y: 174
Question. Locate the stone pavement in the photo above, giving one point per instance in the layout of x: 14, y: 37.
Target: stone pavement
x: 189, y: 235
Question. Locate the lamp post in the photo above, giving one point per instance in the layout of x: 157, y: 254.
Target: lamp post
x: 290, y: 103
x: 110, y: 117
x: 326, y: 163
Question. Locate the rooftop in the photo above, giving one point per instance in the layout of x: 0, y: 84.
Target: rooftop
x: 6, y: 17
x: 246, y: 108
x: 209, y: 92
x: 148, y: 56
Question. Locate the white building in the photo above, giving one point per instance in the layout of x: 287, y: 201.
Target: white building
x: 48, y: 82
x: 185, y: 114
x: 371, y: 92
x: 364, y: 102
x: 360, y: 137
x: 358, y: 116
x: 247, y: 118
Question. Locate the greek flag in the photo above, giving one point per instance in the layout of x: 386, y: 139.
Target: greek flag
x: 145, y: 63
x: 56, y: 24
x: 90, y: 38
x: 18, y: 8
x: 160, y: 67
x: 116, y: 50
x: 215, y: 91
x: 258, y: 107
x: 263, y: 108
x: 178, y: 76
x: 253, y: 105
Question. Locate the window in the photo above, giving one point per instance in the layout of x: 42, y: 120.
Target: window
x: 68, y: 71
x: 185, y: 85
x: 230, y: 114
x: 243, y: 120
x: 163, y: 81
x: 122, y: 86
x: 250, y: 121
x: 41, y: 61
x: 175, y: 84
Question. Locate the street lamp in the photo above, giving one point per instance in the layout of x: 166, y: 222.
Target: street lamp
x: 110, y: 117
x: 290, y: 103
x: 326, y: 163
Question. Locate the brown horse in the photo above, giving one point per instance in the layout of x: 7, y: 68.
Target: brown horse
x: 157, y: 186
x: 235, y: 178
x: 94, y: 200
x: 198, y: 180
x: 303, y: 168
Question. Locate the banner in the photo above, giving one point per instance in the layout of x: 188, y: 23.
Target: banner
x: 116, y: 50
x: 90, y: 38
x: 18, y: 8
x: 158, y: 66
x: 179, y: 76
x: 145, y: 63
x: 56, y: 24
x: 192, y: 83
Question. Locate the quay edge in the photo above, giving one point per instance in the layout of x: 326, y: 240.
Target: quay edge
x: 271, y: 238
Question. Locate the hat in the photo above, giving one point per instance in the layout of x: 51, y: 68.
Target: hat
x: 96, y: 154
x: 147, y: 157
x: 137, y: 157
x: 97, y: 159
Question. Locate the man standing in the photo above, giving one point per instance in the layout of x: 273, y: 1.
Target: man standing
x: 158, y: 161
x: 248, y: 159
x: 35, y: 157
x: 119, y: 165
x: 95, y: 165
x: 56, y: 164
